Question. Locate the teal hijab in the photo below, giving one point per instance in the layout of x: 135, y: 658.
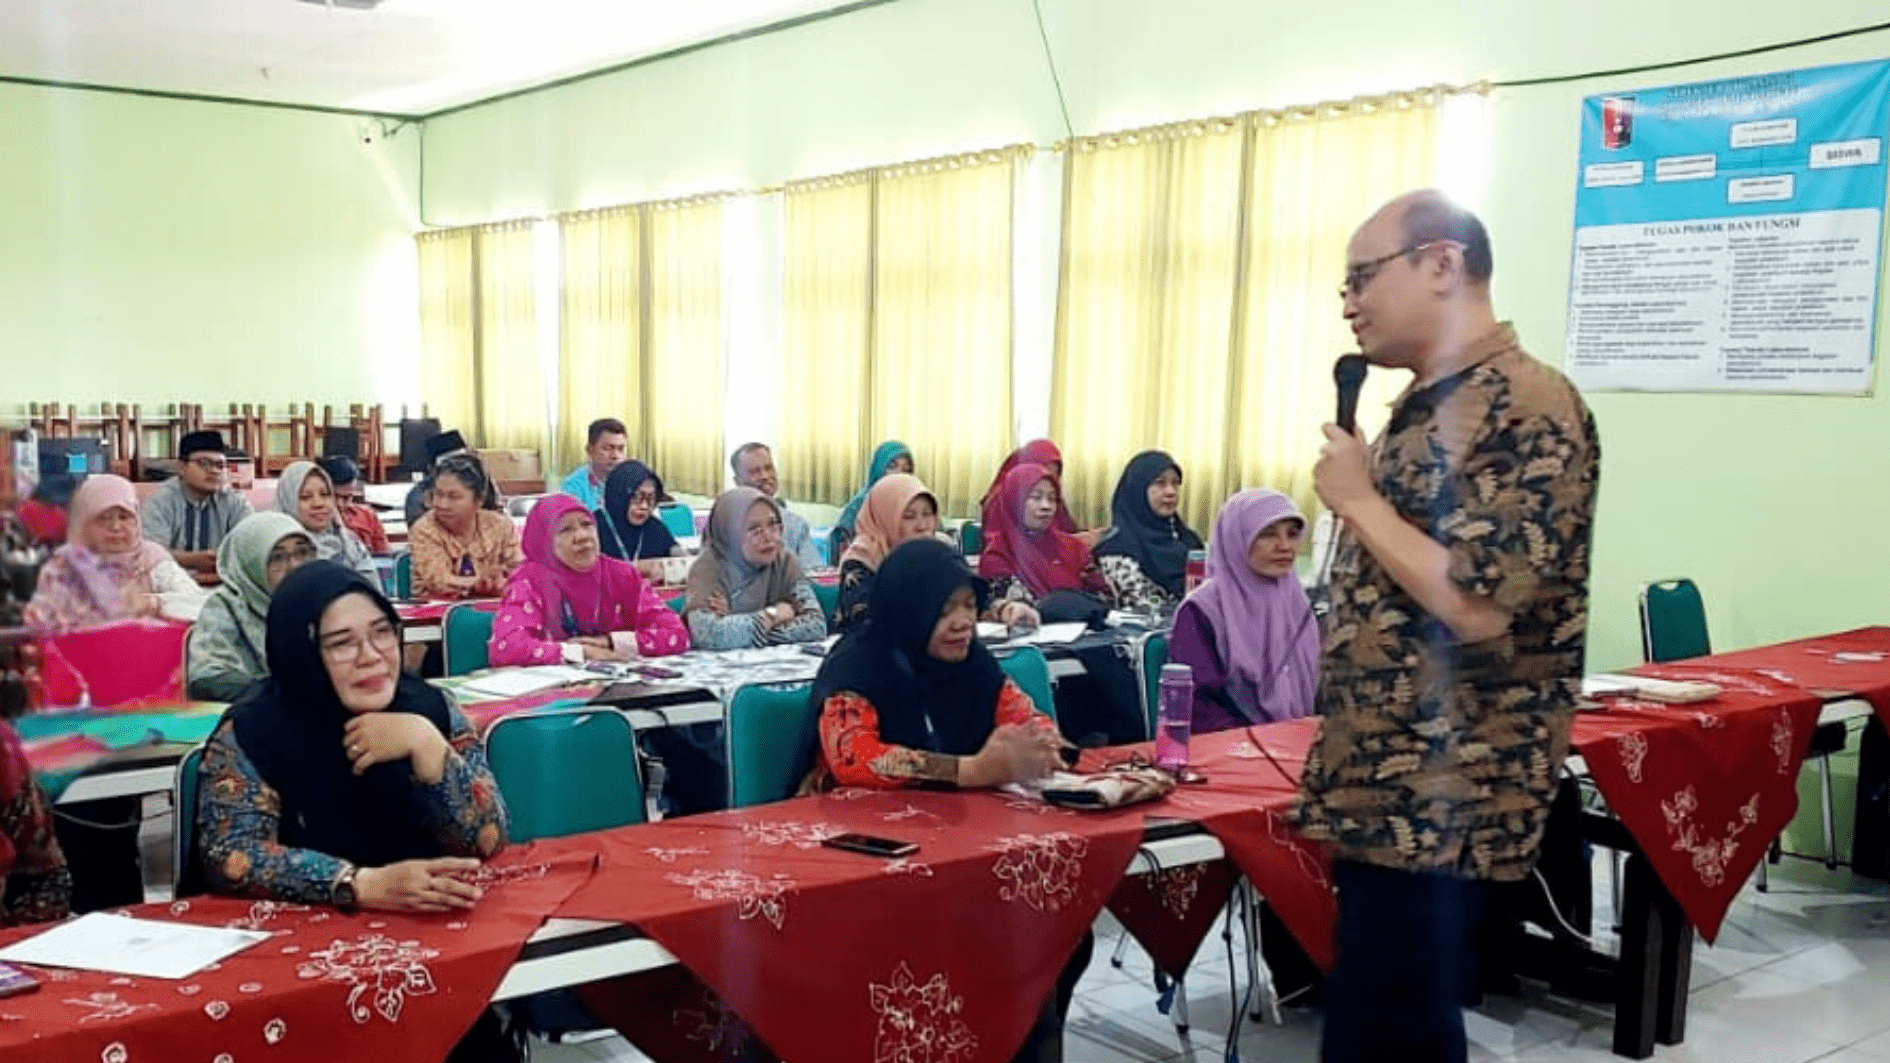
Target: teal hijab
x: 883, y: 457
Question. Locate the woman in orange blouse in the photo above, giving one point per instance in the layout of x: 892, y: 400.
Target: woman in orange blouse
x: 461, y: 550
x: 913, y: 699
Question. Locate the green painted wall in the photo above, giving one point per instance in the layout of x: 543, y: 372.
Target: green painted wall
x: 1774, y: 504
x: 159, y: 251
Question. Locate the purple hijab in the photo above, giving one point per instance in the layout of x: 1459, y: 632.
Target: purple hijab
x: 1264, y: 631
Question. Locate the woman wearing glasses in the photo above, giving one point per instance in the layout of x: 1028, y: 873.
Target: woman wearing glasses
x: 107, y: 571
x: 224, y: 653
x: 746, y: 589
x: 339, y: 781
x: 628, y: 528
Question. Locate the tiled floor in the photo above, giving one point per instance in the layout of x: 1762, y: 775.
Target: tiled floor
x: 1799, y: 974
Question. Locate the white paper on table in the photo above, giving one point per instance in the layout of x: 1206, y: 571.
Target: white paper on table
x: 143, y: 948
x: 513, y: 682
x: 1608, y: 684
x: 990, y: 632
x: 1052, y: 634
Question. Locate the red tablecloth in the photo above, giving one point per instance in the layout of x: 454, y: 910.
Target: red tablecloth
x: 944, y: 955
x: 328, y: 986
x: 1704, y: 788
x: 1856, y: 663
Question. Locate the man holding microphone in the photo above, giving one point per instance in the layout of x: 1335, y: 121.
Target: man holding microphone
x: 1459, y: 609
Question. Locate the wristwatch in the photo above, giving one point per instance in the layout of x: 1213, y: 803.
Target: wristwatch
x: 343, y: 889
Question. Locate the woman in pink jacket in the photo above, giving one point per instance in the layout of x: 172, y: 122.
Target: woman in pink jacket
x: 569, y: 603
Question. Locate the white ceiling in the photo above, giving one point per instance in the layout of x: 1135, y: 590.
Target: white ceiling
x: 406, y: 57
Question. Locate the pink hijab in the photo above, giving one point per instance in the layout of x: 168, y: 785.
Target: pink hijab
x: 1036, y: 452
x: 1264, y: 629
x: 83, y: 587
x: 876, y: 531
x: 1047, y: 561
x: 596, y: 602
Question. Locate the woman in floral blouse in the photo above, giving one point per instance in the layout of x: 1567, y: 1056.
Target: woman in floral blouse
x: 339, y: 780
x: 570, y: 603
x: 461, y: 550
x: 35, y: 886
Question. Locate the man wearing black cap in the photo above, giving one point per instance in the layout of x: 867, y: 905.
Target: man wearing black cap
x: 192, y: 512
x: 357, y: 516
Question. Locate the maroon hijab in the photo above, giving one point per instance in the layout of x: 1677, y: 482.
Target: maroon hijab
x: 1036, y: 452
x: 1047, y: 561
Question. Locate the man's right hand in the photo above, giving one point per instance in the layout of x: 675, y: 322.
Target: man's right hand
x: 417, y: 886
x: 196, y: 560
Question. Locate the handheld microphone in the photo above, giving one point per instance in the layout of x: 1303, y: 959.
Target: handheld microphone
x: 1349, y: 374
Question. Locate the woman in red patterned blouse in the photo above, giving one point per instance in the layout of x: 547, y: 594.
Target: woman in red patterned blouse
x: 913, y: 699
x: 35, y: 886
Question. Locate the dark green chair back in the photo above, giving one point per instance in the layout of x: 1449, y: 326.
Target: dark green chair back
x: 186, y: 867
x: 1673, y: 621
x: 465, y: 631
x: 566, y: 771
x: 772, y: 732
x: 828, y: 595
x: 1154, y: 654
x: 971, y: 538
x: 403, y: 576
x: 1030, y: 670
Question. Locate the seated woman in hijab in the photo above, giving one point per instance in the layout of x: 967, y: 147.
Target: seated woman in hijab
x: 306, y: 493
x: 1144, y: 556
x: 570, y: 603
x: 747, y: 590
x: 627, y: 525
x: 224, y: 652
x: 1248, y: 631
x: 889, y: 457
x: 339, y: 780
x: 461, y: 549
x: 107, y: 570
x: 898, y: 510
x: 1036, y: 452
x: 35, y: 886
x: 1026, y: 556
x: 913, y: 699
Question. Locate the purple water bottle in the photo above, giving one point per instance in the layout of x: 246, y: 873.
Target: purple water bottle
x: 1174, y: 717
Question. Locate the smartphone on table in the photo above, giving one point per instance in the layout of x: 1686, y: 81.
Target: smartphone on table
x: 871, y: 846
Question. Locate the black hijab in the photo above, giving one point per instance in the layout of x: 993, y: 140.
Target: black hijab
x: 290, y: 726
x: 1160, y: 545
x: 922, y: 703
x: 621, y: 539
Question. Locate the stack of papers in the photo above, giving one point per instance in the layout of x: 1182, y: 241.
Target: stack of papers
x: 141, y: 948
x: 517, y: 682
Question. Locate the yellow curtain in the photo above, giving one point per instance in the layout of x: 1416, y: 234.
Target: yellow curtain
x: 941, y: 379
x: 1145, y: 307
x: 601, y: 333
x: 1196, y: 306
x: 1308, y: 191
x: 447, y: 340
x: 826, y: 336
x: 683, y: 345
x: 511, y: 381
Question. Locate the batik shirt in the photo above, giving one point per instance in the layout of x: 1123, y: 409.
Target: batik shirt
x: 1435, y: 754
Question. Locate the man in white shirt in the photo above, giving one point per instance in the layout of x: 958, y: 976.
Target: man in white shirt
x: 753, y: 465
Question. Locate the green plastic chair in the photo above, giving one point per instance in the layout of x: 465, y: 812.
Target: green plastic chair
x: 465, y: 631
x: 829, y: 597
x: 403, y: 576
x: 771, y: 734
x: 680, y: 520
x: 1150, y: 655
x: 1673, y: 621
x: 679, y: 605
x: 971, y: 538
x: 566, y: 771
x: 1030, y: 670
x: 186, y: 871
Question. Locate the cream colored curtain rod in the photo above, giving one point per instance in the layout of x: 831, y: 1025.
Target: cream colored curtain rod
x: 1192, y: 127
